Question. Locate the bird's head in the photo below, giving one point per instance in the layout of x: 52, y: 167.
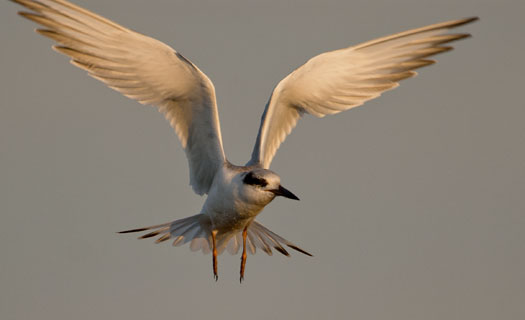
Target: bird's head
x: 265, y: 185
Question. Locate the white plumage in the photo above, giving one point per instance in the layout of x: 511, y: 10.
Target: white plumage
x: 151, y: 72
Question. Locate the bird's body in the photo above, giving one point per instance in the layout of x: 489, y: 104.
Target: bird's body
x: 151, y: 72
x: 230, y: 205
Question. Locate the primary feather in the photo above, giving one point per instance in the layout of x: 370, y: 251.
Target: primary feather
x: 143, y: 69
x: 343, y: 79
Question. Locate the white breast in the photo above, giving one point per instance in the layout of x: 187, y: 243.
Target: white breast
x: 228, y: 205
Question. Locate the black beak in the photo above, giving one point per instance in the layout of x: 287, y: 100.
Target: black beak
x: 285, y: 193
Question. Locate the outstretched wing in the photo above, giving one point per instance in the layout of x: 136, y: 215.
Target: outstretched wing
x: 340, y: 80
x: 143, y: 69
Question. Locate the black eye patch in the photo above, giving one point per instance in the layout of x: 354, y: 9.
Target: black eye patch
x: 251, y: 179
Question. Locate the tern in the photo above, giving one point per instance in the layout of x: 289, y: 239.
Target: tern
x: 151, y: 72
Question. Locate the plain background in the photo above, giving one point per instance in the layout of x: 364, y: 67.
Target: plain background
x: 413, y: 205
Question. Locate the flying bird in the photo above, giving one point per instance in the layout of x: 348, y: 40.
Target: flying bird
x: 151, y: 72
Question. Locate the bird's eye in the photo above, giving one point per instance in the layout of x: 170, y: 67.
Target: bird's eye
x: 251, y: 179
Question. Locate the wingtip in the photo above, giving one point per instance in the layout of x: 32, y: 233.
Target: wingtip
x: 24, y: 14
x: 462, y: 36
x: 466, y: 21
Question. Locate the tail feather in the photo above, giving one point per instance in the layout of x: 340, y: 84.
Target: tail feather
x: 250, y: 244
x: 234, y: 244
x: 257, y: 241
x: 197, y: 230
x: 200, y: 242
x: 269, y: 241
x: 181, y: 233
x: 269, y: 238
x: 192, y: 232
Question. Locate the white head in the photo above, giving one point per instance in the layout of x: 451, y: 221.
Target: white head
x: 262, y: 186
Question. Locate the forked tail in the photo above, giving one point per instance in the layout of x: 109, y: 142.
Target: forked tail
x: 197, y: 230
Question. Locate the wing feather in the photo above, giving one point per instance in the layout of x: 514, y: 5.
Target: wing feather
x: 343, y: 79
x: 143, y: 69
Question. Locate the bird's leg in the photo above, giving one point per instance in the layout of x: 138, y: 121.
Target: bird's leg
x: 214, y: 245
x: 244, y: 255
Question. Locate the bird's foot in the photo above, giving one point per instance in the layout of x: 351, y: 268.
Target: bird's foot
x: 214, y: 245
x: 244, y: 255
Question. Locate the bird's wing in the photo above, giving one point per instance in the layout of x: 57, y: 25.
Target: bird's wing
x: 143, y: 69
x: 340, y: 80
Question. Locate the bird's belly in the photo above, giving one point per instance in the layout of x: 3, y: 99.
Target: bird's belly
x: 234, y: 216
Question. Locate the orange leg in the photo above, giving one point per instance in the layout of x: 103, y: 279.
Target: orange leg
x: 244, y: 255
x: 213, y: 234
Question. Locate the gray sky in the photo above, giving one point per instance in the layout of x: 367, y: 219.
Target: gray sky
x: 412, y: 205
